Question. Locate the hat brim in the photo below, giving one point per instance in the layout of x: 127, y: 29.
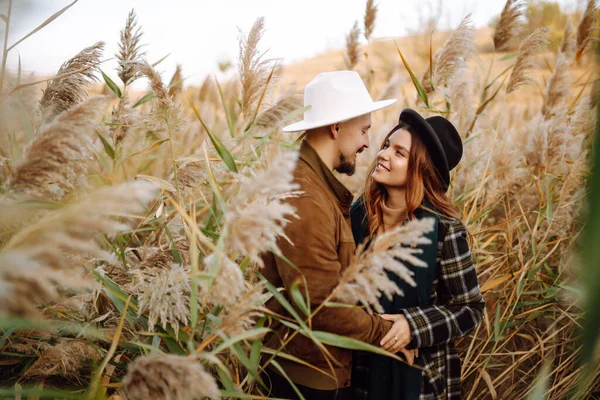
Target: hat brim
x: 431, y: 141
x: 306, y: 125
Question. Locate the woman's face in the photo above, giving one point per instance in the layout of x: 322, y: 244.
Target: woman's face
x: 392, y: 160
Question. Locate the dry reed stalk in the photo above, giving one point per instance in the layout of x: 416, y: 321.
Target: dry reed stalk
x: 164, y: 293
x: 461, y: 98
x: 241, y: 316
x: 270, y: 118
x: 165, y: 114
x: 67, y: 357
x: 366, y: 279
x: 508, y: 26
x: 586, y: 27
x: 253, y: 69
x: 208, y: 92
x: 168, y: 377
x: 352, y: 51
x: 34, y: 263
x: 55, y: 162
x: 176, y: 82
x: 64, y: 93
x: 535, y: 43
x: 452, y: 57
x: 129, y: 49
x: 228, y: 285
x: 567, y: 45
x: 256, y: 216
x: 558, y: 86
x: 370, y: 16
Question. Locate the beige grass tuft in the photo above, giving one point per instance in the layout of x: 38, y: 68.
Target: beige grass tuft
x: 366, y: 279
x: 352, y: 56
x: 129, y: 49
x: 558, y: 86
x: 34, y: 263
x: 453, y: 55
x: 74, y: 76
x: 586, y: 27
x: 370, y: 16
x: 508, y: 26
x: 56, y: 161
x: 168, y: 377
x: 534, y: 44
x: 253, y: 68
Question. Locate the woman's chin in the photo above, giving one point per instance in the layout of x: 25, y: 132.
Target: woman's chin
x: 377, y: 178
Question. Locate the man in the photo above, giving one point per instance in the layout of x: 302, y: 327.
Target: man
x: 320, y: 244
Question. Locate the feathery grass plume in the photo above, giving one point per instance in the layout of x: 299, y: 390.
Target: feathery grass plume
x: 508, y: 25
x: 208, y: 92
x: 366, y: 279
x: 176, y: 83
x: 558, y: 86
x: 67, y: 357
x: 129, y: 49
x: 241, y: 316
x: 34, y: 263
x: 535, y: 43
x: 253, y: 69
x: 165, y: 114
x: 228, y: 285
x: 352, y: 52
x: 163, y: 257
x: 567, y: 45
x: 122, y: 118
x: 370, y: 15
x: 271, y: 117
x: 586, y: 27
x: 461, y: 98
x: 256, y: 215
x: 165, y: 294
x: 594, y: 93
x: 453, y: 55
x: 55, y: 162
x: 73, y: 77
x: 168, y: 377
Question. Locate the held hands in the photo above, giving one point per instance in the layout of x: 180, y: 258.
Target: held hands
x: 399, y: 337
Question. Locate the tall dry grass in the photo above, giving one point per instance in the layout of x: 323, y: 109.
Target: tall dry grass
x: 132, y: 224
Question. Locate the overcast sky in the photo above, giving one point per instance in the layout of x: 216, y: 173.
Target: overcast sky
x: 199, y: 33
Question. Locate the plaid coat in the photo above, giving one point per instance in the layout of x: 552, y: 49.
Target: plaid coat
x: 456, y: 309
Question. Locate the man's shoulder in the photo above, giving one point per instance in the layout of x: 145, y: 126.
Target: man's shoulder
x: 311, y: 185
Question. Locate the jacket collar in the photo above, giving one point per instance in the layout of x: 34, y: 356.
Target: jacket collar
x: 311, y: 157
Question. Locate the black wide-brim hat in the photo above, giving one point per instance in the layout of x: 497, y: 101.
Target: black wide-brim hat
x: 441, y: 139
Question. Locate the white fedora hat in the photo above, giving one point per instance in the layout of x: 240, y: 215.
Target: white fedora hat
x: 335, y: 97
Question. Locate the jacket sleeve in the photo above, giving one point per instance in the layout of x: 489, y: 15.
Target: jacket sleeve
x: 311, y: 245
x: 459, y: 306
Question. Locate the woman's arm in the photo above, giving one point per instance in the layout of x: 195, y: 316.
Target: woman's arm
x: 460, y: 305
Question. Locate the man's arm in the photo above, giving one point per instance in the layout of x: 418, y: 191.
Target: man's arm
x: 313, y: 251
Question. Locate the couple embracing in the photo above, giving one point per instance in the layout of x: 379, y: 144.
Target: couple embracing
x: 408, y: 179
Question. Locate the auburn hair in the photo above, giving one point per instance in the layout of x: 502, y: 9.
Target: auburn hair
x: 423, y: 184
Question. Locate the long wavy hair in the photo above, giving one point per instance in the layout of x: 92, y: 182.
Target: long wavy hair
x: 423, y: 185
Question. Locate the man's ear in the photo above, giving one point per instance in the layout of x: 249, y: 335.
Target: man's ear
x: 335, y: 130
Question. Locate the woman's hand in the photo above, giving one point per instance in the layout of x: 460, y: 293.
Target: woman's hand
x: 398, y: 336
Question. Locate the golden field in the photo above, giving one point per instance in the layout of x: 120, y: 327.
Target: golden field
x: 132, y: 222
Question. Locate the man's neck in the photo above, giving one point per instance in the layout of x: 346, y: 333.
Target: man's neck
x: 323, y: 149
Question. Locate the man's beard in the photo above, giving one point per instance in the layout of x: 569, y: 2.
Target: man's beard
x: 346, y: 167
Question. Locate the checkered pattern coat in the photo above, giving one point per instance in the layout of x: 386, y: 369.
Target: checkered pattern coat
x: 457, y: 308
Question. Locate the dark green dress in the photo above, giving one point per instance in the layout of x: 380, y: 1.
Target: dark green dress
x: 379, y: 377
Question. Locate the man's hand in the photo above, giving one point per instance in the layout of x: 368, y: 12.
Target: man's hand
x: 399, y: 337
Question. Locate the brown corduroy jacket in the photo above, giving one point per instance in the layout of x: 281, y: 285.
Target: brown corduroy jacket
x: 321, y: 247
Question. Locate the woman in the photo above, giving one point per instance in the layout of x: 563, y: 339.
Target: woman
x: 409, y: 179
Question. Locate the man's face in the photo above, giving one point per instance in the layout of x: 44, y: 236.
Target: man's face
x: 353, y: 139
